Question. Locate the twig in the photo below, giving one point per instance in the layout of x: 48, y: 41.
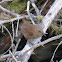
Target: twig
x: 13, y: 36
x: 2, y: 30
x: 17, y: 28
x: 16, y: 45
x: 13, y: 56
x: 8, y: 55
x: 43, y: 6
x: 11, y: 20
x: 55, y: 51
x: 35, y: 7
x: 58, y: 20
x: 9, y: 12
x: 28, y: 5
x: 13, y: 30
x: 8, y: 59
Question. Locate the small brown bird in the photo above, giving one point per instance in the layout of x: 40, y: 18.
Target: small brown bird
x: 31, y: 31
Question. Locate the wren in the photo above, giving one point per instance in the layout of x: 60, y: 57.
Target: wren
x: 31, y: 31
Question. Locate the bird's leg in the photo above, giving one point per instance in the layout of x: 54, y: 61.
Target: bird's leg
x: 32, y: 43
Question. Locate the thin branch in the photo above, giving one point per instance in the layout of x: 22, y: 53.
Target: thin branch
x: 13, y: 30
x: 58, y: 20
x: 14, y: 19
x: 43, y: 6
x: 2, y: 30
x: 28, y: 5
x: 13, y: 36
x: 16, y: 45
x: 13, y: 56
x: 9, y: 12
x: 17, y: 28
x: 55, y: 51
x: 35, y: 7
x: 8, y: 55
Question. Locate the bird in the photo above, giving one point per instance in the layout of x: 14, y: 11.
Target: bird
x: 31, y: 31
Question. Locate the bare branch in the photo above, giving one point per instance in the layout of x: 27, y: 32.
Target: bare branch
x: 16, y: 45
x: 9, y: 12
x: 13, y: 35
x: 60, y: 20
x: 35, y: 7
x: 55, y: 51
x: 8, y: 55
x: 2, y: 30
x: 28, y: 5
x: 43, y: 6
x: 11, y: 20
x: 13, y: 30
x: 13, y: 56
x: 17, y: 28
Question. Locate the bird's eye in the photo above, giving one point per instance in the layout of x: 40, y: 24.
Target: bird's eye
x: 39, y: 31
